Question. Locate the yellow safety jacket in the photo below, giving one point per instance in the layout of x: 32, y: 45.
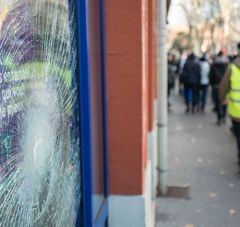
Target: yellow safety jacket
x: 234, y: 94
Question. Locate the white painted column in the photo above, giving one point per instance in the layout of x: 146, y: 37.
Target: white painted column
x: 162, y: 138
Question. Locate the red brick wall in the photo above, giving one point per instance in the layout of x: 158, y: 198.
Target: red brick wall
x: 127, y: 61
x: 152, y: 60
x: 145, y: 81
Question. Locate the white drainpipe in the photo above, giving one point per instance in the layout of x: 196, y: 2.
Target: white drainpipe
x: 162, y: 118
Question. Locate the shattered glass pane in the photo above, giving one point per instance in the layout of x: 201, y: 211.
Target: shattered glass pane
x: 39, y: 134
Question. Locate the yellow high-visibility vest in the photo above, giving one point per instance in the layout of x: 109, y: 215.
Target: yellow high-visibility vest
x: 234, y: 94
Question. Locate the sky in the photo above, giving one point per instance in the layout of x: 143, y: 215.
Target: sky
x: 176, y: 17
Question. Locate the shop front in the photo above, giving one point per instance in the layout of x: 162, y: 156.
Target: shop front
x: 53, y: 162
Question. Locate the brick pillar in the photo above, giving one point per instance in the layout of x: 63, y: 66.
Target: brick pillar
x: 152, y: 60
x: 145, y: 81
x: 127, y: 91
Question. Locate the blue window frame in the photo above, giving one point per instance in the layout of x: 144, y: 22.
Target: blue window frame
x: 94, y: 213
x: 40, y: 128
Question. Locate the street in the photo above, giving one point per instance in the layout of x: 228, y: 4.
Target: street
x: 202, y: 155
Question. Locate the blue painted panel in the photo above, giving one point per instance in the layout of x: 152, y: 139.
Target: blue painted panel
x: 96, y: 59
x: 91, y: 70
x: 85, y: 104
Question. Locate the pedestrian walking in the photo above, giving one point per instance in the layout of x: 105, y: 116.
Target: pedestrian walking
x: 180, y: 66
x: 191, y: 78
x: 205, y: 70
x: 217, y: 72
x: 230, y: 89
x: 171, y: 76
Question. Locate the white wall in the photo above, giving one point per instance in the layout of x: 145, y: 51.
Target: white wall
x: 133, y: 211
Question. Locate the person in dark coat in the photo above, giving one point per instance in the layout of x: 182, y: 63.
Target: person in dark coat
x: 180, y: 65
x: 171, y: 77
x: 191, y: 80
x: 217, y: 72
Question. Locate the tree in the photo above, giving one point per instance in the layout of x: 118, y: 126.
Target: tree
x: 183, y: 41
x: 230, y: 11
x: 204, y: 17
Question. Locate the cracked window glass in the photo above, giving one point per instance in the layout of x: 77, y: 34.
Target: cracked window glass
x: 39, y: 120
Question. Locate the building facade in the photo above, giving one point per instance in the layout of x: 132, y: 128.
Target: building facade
x: 131, y: 76
x: 77, y: 113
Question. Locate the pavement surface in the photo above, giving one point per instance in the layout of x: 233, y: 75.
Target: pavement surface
x: 203, y: 156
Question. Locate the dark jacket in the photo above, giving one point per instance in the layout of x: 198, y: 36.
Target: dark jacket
x: 218, y: 70
x: 191, y: 71
x: 171, y: 74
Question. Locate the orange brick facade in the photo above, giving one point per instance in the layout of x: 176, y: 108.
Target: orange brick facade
x: 130, y: 47
x: 152, y: 60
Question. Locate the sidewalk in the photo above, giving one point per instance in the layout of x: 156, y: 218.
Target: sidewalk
x: 203, y: 156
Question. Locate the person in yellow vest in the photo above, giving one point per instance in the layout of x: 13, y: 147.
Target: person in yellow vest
x: 230, y: 91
